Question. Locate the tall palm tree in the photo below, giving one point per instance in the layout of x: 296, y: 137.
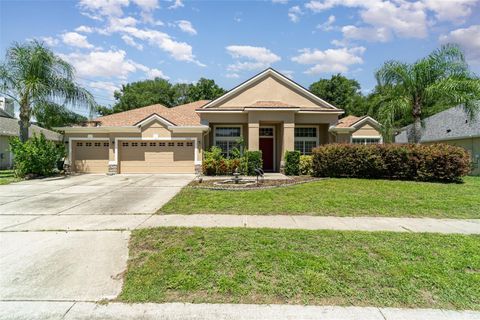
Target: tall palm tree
x: 33, y: 75
x: 434, y: 83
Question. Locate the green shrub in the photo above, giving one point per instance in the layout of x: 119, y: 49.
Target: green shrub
x: 37, y: 156
x: 292, y: 163
x: 250, y: 161
x: 215, y: 164
x: 437, y: 162
x: 306, y: 164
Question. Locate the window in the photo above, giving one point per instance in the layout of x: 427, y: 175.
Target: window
x: 161, y: 144
x: 365, y: 140
x: 143, y: 144
x: 134, y: 144
x: 226, y: 138
x: 266, y: 132
x: 179, y: 144
x: 171, y: 144
x: 306, y: 139
x: 106, y: 144
x: 97, y: 144
x: 79, y: 144
x: 189, y: 144
x: 88, y: 144
x: 124, y: 144
x: 153, y: 144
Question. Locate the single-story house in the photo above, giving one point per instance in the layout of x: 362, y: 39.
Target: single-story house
x: 452, y: 126
x: 270, y: 112
x: 9, y: 127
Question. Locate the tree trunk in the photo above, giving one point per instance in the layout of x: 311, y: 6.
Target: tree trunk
x: 417, y: 122
x: 24, y: 122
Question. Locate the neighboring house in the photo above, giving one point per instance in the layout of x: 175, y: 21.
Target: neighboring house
x: 269, y: 112
x: 9, y: 127
x: 363, y: 130
x: 452, y: 126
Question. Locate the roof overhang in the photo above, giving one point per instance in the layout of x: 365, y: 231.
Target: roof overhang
x: 277, y: 75
x: 368, y: 119
x: 98, y: 129
x: 154, y: 117
x: 245, y: 110
x: 188, y: 129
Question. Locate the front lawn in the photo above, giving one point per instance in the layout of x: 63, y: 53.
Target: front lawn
x: 7, y: 176
x: 227, y: 265
x: 339, y: 197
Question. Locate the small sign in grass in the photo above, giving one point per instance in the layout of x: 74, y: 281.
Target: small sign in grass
x: 224, y: 265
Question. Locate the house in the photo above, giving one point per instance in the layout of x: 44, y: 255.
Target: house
x: 9, y: 127
x: 269, y: 112
x: 363, y: 130
x: 452, y: 126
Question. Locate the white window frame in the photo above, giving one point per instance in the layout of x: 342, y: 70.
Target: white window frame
x: 234, y: 139
x: 316, y: 139
x: 380, y: 139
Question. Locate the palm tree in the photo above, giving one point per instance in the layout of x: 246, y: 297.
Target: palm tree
x: 432, y: 84
x: 33, y: 76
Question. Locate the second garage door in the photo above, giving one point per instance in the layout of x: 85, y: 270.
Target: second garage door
x: 90, y: 156
x: 156, y: 156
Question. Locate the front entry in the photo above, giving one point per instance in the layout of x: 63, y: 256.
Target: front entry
x: 267, y: 146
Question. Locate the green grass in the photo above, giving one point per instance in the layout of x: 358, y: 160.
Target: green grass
x: 222, y: 265
x: 339, y: 197
x: 7, y: 176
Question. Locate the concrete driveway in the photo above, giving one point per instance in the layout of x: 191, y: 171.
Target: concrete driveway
x: 91, y: 194
x: 68, y: 263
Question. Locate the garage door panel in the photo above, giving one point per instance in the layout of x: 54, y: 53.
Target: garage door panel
x: 91, y: 156
x: 157, y: 157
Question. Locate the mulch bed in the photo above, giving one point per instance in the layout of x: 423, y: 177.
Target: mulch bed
x: 265, y: 184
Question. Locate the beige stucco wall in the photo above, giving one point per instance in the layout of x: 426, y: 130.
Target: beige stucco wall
x: 148, y: 131
x: 268, y: 89
x: 366, y: 130
x: 5, y: 155
x: 472, y: 145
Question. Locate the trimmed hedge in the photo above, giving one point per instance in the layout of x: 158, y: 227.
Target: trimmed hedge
x: 306, y: 164
x: 215, y: 164
x: 436, y: 162
x: 292, y: 163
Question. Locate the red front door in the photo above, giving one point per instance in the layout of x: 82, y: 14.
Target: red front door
x: 266, y: 145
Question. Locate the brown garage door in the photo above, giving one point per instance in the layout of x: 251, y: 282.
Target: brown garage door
x: 90, y: 156
x: 157, y: 156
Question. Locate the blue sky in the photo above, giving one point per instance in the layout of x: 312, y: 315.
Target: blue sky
x: 111, y: 42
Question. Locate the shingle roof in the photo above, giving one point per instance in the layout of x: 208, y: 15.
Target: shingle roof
x: 452, y: 123
x: 348, y: 121
x: 182, y: 115
x: 10, y: 127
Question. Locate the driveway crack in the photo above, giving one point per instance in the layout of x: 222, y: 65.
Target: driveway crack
x: 68, y: 310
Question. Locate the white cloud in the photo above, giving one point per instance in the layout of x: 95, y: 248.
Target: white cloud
x: 367, y: 33
x: 75, y: 39
x: 176, y: 4
x: 129, y: 40
x: 101, y: 64
x: 451, y: 10
x: 186, y: 26
x: 50, y: 41
x: 327, y: 25
x: 280, y: 1
x: 155, y: 73
x: 106, y: 86
x: 294, y: 13
x: 468, y: 39
x: 256, y: 58
x: 330, y: 60
x: 98, y: 8
x: 147, y: 5
x: 232, y: 75
x: 84, y: 29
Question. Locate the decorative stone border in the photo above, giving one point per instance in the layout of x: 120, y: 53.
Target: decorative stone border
x: 219, y: 188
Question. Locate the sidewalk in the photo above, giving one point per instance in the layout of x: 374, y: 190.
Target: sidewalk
x: 176, y: 311
x: 16, y: 223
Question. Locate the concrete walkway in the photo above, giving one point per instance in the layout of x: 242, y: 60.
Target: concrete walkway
x: 177, y: 311
x: 16, y: 223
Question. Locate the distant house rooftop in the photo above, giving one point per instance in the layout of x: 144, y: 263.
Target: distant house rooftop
x: 451, y: 124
